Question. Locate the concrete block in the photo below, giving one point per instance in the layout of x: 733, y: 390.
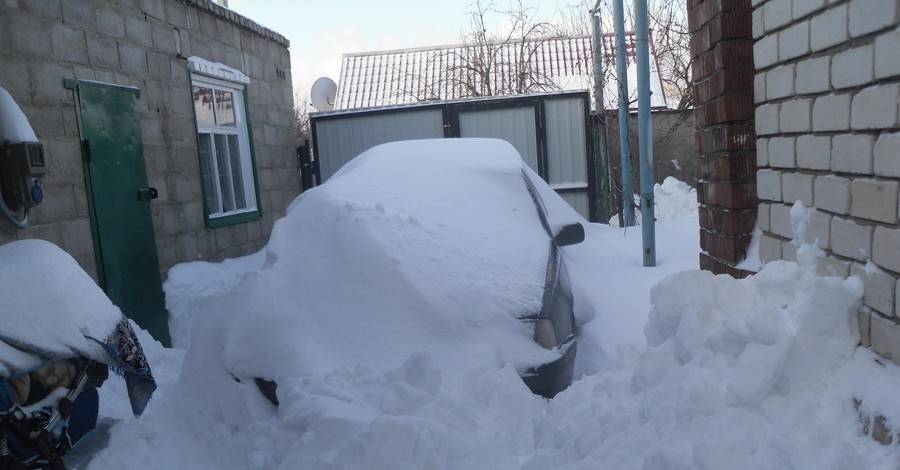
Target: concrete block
x: 831, y: 113
x: 886, y: 248
x: 768, y: 185
x: 797, y: 187
x: 868, y: 16
x: 766, y: 121
x: 133, y: 60
x: 885, y: 336
x: 68, y: 44
x: 802, y: 8
x: 874, y: 200
x: 769, y: 248
x: 27, y: 35
x: 137, y: 30
x: 782, y: 153
x: 780, y: 216
x: 795, y: 115
x: 852, y: 153
x: 79, y: 14
x: 875, y: 107
x: 853, y: 67
x: 813, y: 152
x: 887, y: 155
x: 794, y: 41
x: 762, y: 216
x: 765, y: 51
x: 831, y: 266
x: 759, y: 88
x: 829, y: 28
x: 780, y: 82
x: 102, y: 52
x: 110, y: 22
x: 813, y: 75
x: 886, y: 47
x: 850, y: 239
x: 879, y: 287
x: 46, y: 8
x: 777, y: 14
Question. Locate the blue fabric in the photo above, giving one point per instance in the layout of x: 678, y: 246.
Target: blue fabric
x: 7, y: 396
x: 84, y: 415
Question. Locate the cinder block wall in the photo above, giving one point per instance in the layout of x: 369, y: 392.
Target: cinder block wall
x: 145, y: 44
x: 722, y: 71
x: 828, y: 90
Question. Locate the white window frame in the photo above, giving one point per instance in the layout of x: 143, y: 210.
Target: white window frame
x: 212, y: 188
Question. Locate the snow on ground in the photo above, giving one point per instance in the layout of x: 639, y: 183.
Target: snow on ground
x: 677, y: 369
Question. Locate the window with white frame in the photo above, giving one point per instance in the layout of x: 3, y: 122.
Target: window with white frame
x: 223, y: 143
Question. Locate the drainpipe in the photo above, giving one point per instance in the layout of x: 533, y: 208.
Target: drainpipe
x: 642, y: 35
x: 624, y: 124
x: 601, y: 158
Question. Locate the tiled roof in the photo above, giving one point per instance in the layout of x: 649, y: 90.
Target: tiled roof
x: 370, y: 79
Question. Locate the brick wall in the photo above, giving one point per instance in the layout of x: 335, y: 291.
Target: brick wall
x: 145, y: 43
x: 722, y: 69
x: 827, y: 89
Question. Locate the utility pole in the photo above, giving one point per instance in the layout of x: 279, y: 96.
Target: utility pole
x: 601, y: 158
x: 642, y: 52
x: 624, y: 123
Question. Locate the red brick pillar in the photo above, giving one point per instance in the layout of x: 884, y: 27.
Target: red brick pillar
x: 722, y: 52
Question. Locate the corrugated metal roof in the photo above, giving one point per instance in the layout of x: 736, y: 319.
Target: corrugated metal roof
x: 382, y: 78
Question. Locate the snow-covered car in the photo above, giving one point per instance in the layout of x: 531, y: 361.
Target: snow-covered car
x: 449, y: 247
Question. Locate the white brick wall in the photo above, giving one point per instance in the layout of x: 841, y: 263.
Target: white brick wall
x: 828, y: 116
x: 813, y: 152
x: 886, y: 248
x: 795, y: 115
x: 830, y: 113
x: 794, y: 41
x: 852, y: 153
x: 868, y: 16
x: 886, y: 47
x: 874, y: 200
x: 814, y: 75
x: 850, y: 239
x: 782, y: 153
x: 875, y: 107
x: 780, y: 215
x: 797, y: 187
x: 832, y: 193
x: 887, y: 154
x: 768, y: 185
x: 828, y: 29
x: 853, y: 67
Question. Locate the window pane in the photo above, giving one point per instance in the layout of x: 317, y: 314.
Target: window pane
x: 224, y: 172
x: 225, y: 108
x: 237, y: 176
x: 207, y: 173
x: 203, y: 106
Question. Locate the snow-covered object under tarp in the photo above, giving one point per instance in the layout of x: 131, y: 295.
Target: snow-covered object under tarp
x: 52, y: 310
x: 14, y: 126
x: 376, y: 265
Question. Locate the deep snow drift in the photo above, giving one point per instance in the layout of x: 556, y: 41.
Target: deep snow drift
x: 700, y: 371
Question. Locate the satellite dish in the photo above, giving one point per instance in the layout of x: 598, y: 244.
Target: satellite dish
x: 322, y: 94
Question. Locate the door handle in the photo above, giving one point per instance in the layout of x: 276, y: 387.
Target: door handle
x: 147, y: 194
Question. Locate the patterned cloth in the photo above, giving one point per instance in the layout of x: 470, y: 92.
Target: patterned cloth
x: 130, y: 362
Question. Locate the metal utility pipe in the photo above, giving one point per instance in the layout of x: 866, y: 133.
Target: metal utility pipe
x: 624, y: 124
x: 642, y: 46
x: 601, y: 158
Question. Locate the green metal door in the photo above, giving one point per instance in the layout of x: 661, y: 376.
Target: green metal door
x: 119, y: 200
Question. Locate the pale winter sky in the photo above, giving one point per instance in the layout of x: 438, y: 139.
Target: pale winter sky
x: 321, y: 31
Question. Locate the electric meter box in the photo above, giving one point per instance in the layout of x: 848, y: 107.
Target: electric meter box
x: 22, y: 165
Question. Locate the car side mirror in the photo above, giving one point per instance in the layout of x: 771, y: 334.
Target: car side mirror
x: 571, y: 234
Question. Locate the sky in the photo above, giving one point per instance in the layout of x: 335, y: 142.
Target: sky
x: 321, y: 31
